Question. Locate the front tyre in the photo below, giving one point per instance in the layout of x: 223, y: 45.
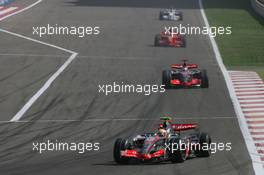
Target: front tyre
x: 166, y: 78
x: 205, y: 144
x: 120, y: 145
x: 204, y: 78
x: 156, y: 40
x: 177, y: 155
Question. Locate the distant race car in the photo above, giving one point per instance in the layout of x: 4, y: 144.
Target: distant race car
x: 170, y: 15
x: 153, y: 147
x: 185, y: 76
x: 170, y: 40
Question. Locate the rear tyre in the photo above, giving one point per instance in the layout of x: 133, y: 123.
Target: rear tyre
x: 166, y: 78
x: 204, y: 78
x: 120, y: 145
x: 181, y: 17
x: 176, y: 155
x: 156, y: 41
x: 183, y: 41
x: 205, y: 143
x: 160, y: 16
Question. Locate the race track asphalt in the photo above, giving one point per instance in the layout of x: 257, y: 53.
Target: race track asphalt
x: 123, y: 52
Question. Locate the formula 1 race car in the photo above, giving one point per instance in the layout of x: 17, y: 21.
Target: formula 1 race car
x: 170, y: 15
x: 154, y: 147
x: 170, y: 40
x: 185, y: 76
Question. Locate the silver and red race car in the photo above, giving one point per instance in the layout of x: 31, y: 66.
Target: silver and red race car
x: 185, y: 76
x: 155, y: 147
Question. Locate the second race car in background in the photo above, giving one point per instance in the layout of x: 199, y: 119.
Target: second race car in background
x: 170, y: 14
x: 185, y: 76
x: 169, y: 40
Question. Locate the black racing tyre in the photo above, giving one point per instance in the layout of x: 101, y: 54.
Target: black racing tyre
x: 204, y: 78
x: 166, y: 78
x: 157, y: 39
x: 205, y: 143
x: 160, y: 16
x: 181, y: 17
x: 176, y: 155
x: 183, y: 41
x: 120, y: 145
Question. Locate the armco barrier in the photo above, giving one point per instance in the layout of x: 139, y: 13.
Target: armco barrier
x: 5, y: 2
x: 258, y: 6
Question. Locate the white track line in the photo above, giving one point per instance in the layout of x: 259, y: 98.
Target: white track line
x: 250, y: 96
x: 47, y: 84
x: 248, y: 83
x: 120, y: 119
x: 253, y: 109
x: 252, y: 101
x: 249, y: 89
x: 248, y: 93
x: 251, y: 105
x: 256, y: 130
x: 248, y: 86
x: 245, y: 79
x: 33, y: 99
x: 256, y: 160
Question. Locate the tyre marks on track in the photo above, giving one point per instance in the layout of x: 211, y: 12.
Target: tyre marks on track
x: 249, y: 89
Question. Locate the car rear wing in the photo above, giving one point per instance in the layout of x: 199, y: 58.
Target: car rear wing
x: 180, y: 66
x: 183, y: 127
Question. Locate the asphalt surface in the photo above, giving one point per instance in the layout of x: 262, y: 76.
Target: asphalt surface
x: 123, y: 52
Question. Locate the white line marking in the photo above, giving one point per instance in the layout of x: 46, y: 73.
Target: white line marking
x: 22, y: 10
x: 259, y: 137
x: 253, y: 109
x: 250, y: 93
x: 257, y: 166
x: 256, y: 125
x: 251, y: 96
x: 241, y: 72
x: 248, y: 86
x: 246, y: 79
x: 120, y: 119
x: 47, y: 84
x: 255, y: 114
x: 251, y: 105
x: 32, y: 55
x: 36, y: 41
x: 249, y: 89
x: 82, y: 56
x: 259, y: 141
x: 250, y: 101
x: 7, y: 10
x: 256, y: 130
x: 247, y: 83
x: 43, y: 89
x: 243, y: 75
